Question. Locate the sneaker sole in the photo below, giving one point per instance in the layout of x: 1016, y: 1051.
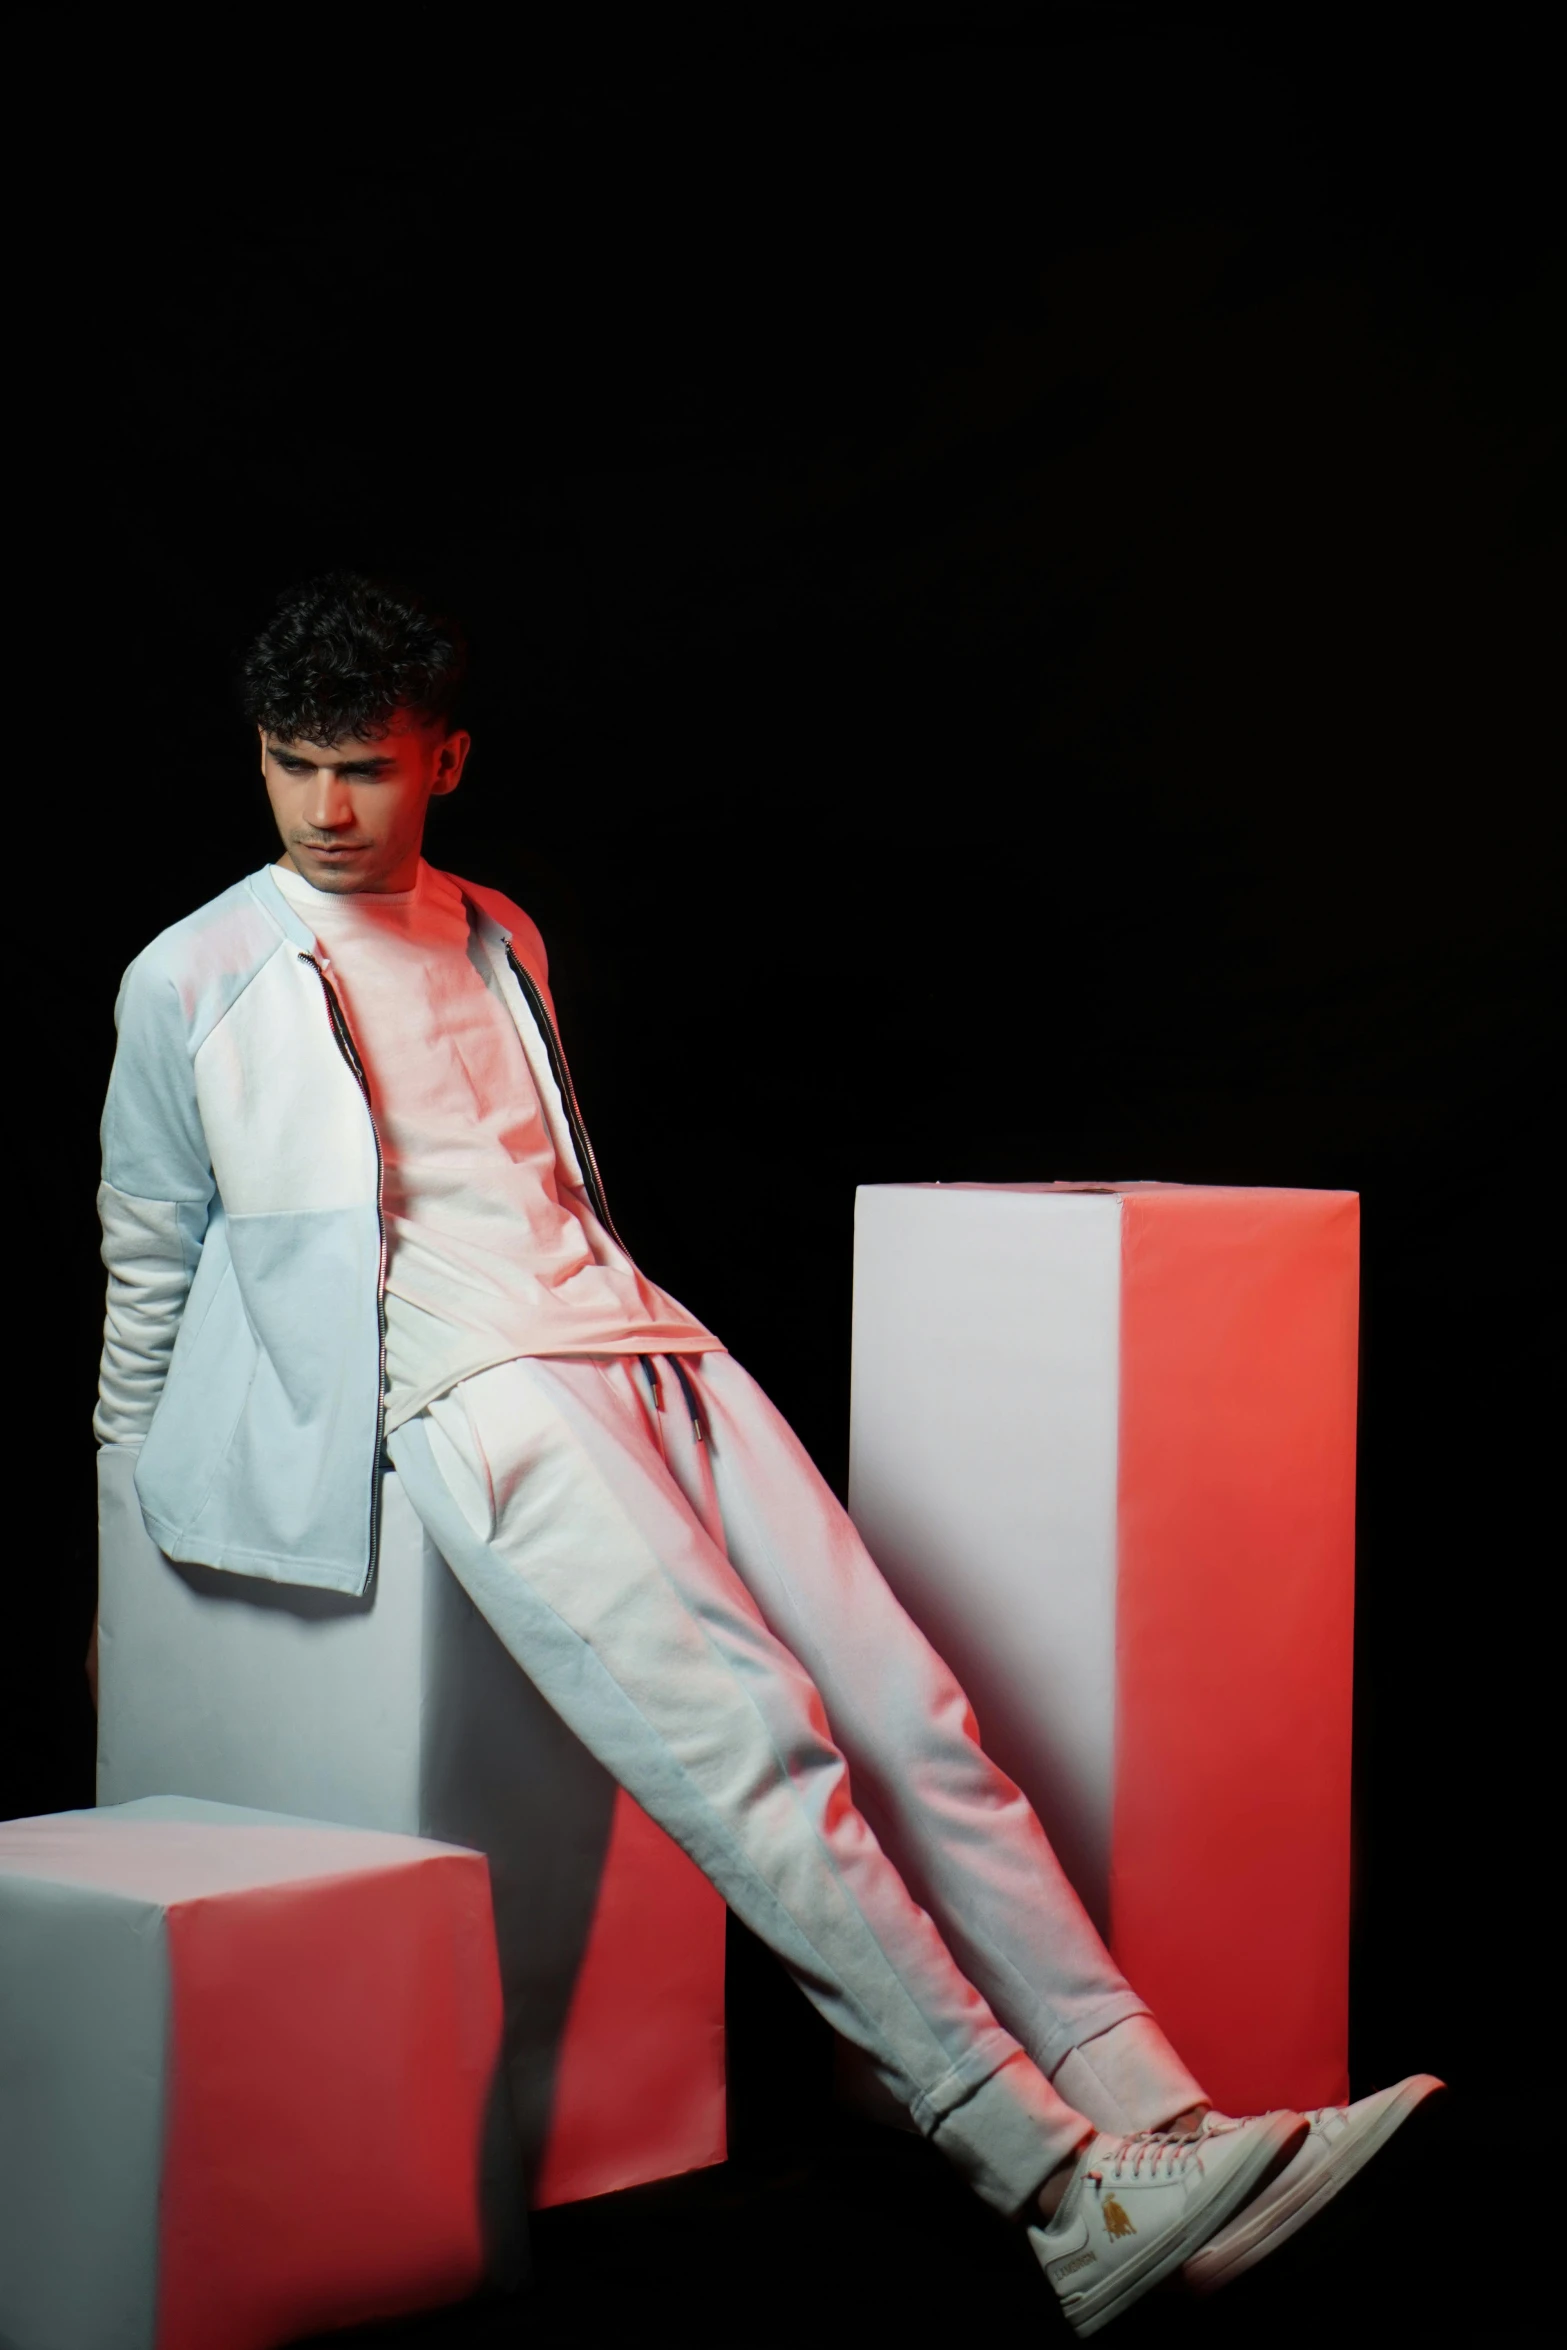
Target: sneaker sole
x: 1206, y: 2271
x: 1271, y: 2148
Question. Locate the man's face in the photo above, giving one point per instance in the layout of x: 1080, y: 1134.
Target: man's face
x: 352, y: 814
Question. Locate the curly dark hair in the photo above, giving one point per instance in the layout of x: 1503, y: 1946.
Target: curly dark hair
x: 342, y: 654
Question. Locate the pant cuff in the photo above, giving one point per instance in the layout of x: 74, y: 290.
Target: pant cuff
x: 1127, y: 2078
x: 1010, y: 2134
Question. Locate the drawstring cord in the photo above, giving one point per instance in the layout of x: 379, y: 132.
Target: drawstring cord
x: 698, y: 1432
x: 656, y: 1390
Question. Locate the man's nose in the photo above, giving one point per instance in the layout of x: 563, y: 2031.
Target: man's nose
x: 327, y: 804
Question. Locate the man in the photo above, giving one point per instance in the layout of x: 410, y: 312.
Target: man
x: 350, y: 1208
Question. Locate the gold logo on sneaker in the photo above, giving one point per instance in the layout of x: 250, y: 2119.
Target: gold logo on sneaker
x: 1117, y: 2222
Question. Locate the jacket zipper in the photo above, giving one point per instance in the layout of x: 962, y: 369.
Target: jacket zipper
x: 557, y: 1061
x: 343, y: 1036
x: 592, y: 1178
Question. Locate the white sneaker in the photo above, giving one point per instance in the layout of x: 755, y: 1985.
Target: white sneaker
x: 1340, y: 2140
x: 1136, y: 2207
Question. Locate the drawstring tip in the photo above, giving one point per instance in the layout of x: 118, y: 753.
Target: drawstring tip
x: 656, y: 1388
x: 689, y: 1393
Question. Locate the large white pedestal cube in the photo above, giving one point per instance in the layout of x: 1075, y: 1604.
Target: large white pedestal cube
x: 246, y: 2073
x: 1103, y: 1448
x: 402, y: 1711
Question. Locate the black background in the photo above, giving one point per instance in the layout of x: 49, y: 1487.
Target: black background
x: 1013, y: 568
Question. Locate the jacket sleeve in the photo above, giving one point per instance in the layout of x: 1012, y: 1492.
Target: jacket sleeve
x: 153, y: 1203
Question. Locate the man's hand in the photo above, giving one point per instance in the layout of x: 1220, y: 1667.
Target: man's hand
x: 92, y: 1661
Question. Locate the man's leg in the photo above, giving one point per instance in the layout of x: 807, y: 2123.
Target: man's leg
x: 543, y: 1485
x: 960, y: 1834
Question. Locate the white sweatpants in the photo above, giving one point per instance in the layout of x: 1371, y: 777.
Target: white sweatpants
x: 707, y: 1621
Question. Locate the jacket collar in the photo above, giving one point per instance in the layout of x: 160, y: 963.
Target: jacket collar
x: 275, y: 905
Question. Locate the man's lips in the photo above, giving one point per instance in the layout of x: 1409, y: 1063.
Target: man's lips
x: 334, y: 848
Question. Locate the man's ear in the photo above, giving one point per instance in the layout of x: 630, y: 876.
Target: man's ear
x: 261, y: 737
x: 450, y: 760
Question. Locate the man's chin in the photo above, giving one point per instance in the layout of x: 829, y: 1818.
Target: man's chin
x: 342, y: 872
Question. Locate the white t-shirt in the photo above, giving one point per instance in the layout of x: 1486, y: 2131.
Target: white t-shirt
x: 486, y: 1258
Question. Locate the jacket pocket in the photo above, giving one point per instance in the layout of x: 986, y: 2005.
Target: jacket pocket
x: 200, y: 1410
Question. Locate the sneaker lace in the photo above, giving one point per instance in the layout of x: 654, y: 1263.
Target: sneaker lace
x: 1143, y: 2153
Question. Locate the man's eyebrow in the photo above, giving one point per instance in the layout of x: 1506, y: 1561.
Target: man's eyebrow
x: 367, y: 759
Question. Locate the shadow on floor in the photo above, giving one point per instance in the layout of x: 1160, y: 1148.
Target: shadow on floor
x: 866, y: 2236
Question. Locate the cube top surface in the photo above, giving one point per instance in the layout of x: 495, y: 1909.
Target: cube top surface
x: 1140, y: 1187
x: 177, y: 1848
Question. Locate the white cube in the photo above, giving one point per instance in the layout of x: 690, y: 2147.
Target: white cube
x: 1103, y: 1448
x: 401, y: 1710
x: 246, y: 2075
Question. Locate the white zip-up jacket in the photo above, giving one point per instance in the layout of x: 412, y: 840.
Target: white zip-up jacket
x: 244, y: 1340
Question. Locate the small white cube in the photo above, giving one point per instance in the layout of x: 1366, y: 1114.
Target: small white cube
x: 247, y: 2073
